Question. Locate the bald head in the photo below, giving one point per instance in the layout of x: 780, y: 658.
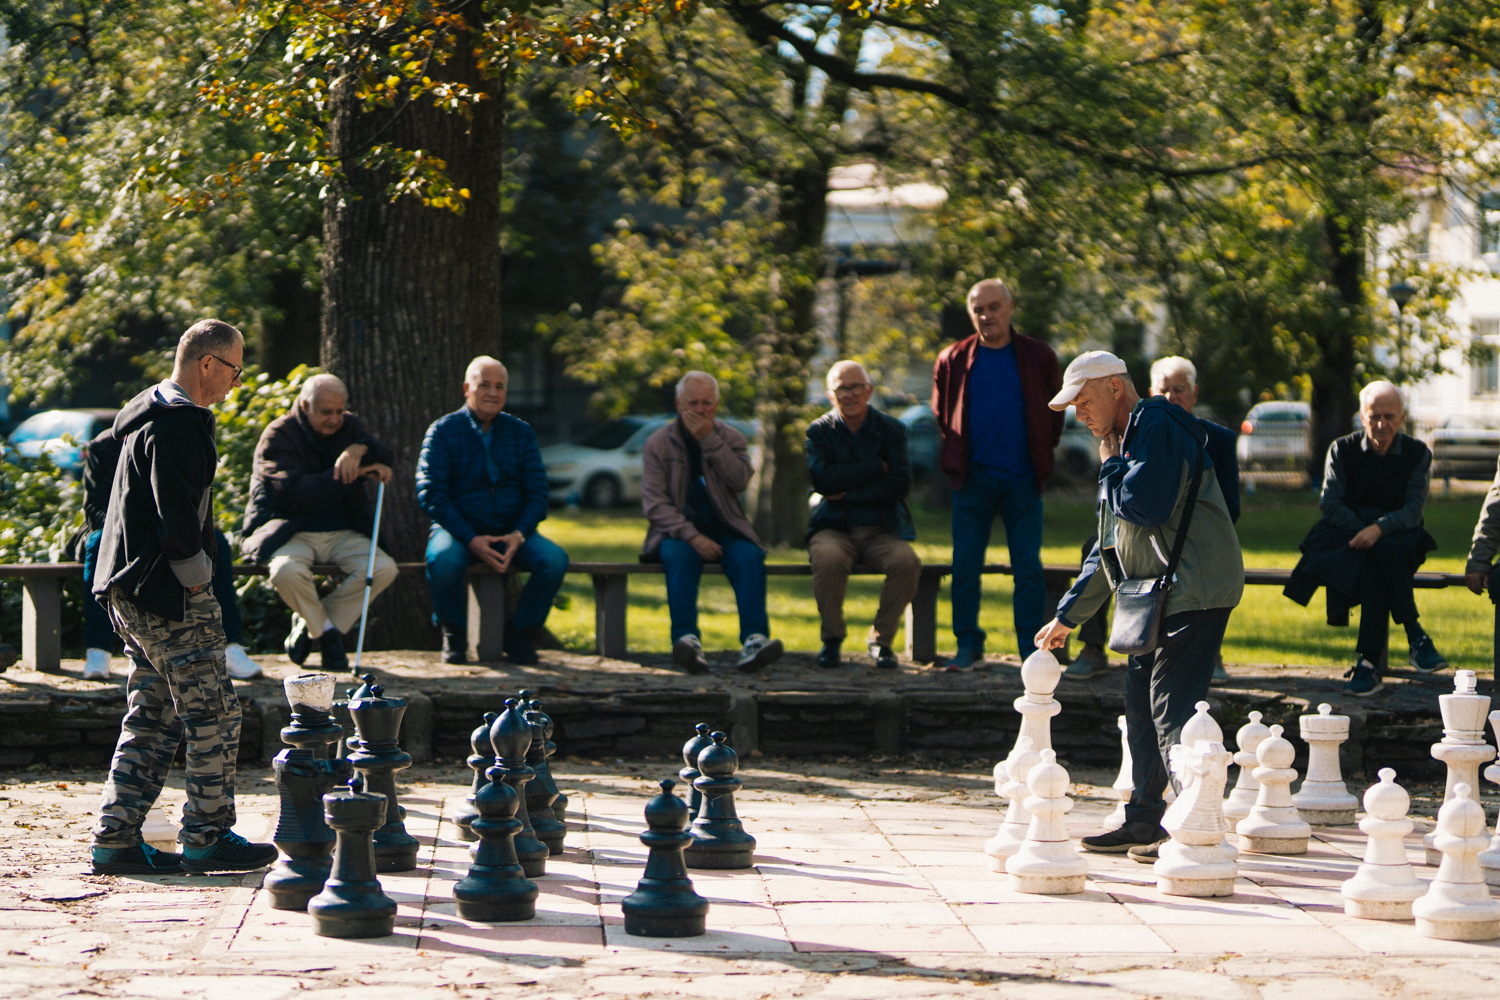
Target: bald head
x: 990, y: 308
x: 485, y: 384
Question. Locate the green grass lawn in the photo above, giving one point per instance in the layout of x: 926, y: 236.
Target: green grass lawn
x: 1267, y: 628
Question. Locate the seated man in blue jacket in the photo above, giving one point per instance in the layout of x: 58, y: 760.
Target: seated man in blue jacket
x: 480, y: 478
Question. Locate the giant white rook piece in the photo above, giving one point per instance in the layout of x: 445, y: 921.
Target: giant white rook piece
x: 1385, y: 885
x: 1040, y: 675
x: 1458, y: 906
x: 1462, y: 747
x: 1047, y: 862
x: 1007, y: 840
x: 1193, y: 862
x: 1124, y: 781
x: 1489, y: 859
x: 1251, y: 735
x: 1323, y: 800
x: 1273, y: 826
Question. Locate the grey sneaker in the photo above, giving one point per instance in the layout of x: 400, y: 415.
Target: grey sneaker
x: 1090, y: 661
x: 758, y: 652
x: 687, y: 654
x: 1221, y: 676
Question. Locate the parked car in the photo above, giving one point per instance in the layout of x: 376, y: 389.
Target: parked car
x: 59, y: 434
x: 1466, y: 447
x: 1275, y: 435
x: 1078, y: 450
x: 924, y: 439
x: 603, y: 468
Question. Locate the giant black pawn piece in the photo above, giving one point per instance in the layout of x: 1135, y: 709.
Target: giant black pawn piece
x: 544, y: 773
x: 352, y: 904
x: 719, y: 840
x: 378, y: 756
x: 664, y: 903
x: 539, y: 797
x: 480, y: 760
x: 304, y: 774
x: 690, y: 751
x: 496, y: 887
x: 510, y: 737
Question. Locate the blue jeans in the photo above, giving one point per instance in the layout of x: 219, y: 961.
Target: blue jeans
x: 745, y: 566
x: 448, y: 563
x: 1019, y: 505
x: 98, y: 633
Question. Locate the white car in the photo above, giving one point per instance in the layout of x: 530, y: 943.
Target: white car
x: 603, y: 468
x: 1275, y: 435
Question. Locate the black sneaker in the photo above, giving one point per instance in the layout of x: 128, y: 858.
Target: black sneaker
x: 1363, y: 680
x: 299, y: 643
x: 1128, y: 836
x: 331, y: 647
x: 230, y: 853
x: 687, y: 654
x: 885, y: 658
x: 520, y: 649
x: 455, y: 644
x: 830, y: 656
x: 142, y: 859
x: 1425, y: 657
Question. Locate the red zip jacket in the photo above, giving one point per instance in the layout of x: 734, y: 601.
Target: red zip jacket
x: 1041, y: 378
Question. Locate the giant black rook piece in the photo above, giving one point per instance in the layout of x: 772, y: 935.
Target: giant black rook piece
x: 539, y: 797
x: 304, y: 774
x: 664, y: 903
x: 510, y: 737
x: 719, y: 840
x: 481, y: 760
x: 352, y: 904
x: 378, y: 756
x: 496, y: 887
x: 690, y: 751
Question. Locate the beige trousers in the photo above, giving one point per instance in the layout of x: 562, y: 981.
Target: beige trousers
x: 291, y: 575
x: 834, y: 553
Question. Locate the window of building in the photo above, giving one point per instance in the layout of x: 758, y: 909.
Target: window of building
x: 1484, y: 358
x: 1489, y: 229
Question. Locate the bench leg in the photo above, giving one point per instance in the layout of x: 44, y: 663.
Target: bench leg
x: 487, y: 616
x: 611, y: 602
x: 41, y: 623
x: 921, y: 620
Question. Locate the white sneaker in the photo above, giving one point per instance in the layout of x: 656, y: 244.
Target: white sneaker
x: 758, y: 652
x: 241, y: 667
x: 96, y: 665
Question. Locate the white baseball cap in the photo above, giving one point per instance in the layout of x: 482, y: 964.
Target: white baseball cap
x: 1088, y: 365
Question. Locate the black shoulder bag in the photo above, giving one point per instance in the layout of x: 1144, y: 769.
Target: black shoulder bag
x: 1140, y: 604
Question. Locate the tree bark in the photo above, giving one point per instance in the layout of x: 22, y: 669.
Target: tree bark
x: 1334, y: 400
x: 410, y: 295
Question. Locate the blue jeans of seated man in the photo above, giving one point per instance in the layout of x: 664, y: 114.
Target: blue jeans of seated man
x: 1019, y: 505
x: 744, y: 564
x: 448, y: 562
x: 98, y: 633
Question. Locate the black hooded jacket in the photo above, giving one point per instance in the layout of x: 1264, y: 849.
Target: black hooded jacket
x: 99, y: 477
x: 158, y: 532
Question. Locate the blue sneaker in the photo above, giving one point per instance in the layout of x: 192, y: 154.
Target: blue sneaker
x: 1363, y: 680
x: 142, y: 859
x: 230, y: 853
x: 965, y: 659
x: 1425, y: 657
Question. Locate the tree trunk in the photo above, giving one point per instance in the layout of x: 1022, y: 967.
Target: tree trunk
x: 411, y: 294
x: 1334, y: 400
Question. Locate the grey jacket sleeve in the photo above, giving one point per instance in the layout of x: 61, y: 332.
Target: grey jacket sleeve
x: 1487, y: 531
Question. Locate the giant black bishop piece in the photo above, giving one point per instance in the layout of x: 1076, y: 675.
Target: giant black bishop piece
x: 541, y: 793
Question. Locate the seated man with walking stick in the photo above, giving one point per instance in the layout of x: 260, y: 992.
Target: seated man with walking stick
x: 308, y: 504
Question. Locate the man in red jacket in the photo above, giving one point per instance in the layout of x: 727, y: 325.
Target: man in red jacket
x: 990, y: 393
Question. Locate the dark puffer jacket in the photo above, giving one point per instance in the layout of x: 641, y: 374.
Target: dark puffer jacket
x: 453, y: 481
x: 841, y: 462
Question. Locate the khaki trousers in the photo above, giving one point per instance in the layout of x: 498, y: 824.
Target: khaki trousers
x: 834, y: 553
x: 291, y: 575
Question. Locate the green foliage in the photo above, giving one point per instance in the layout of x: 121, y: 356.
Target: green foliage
x: 43, y: 508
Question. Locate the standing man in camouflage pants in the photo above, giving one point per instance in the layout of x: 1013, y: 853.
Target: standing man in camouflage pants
x: 154, y: 574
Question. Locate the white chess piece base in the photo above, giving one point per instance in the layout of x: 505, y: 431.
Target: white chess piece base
x: 1448, y: 913
x: 1256, y: 844
x: 1326, y: 817
x: 1194, y: 870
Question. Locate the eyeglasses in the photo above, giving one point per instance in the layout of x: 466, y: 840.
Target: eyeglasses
x: 850, y: 390
x: 226, y: 364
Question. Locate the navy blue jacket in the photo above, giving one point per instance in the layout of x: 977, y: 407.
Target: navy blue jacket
x: 1221, y: 451
x: 841, y: 462
x: 453, y: 481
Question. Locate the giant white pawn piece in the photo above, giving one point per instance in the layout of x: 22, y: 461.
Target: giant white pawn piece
x: 1489, y: 859
x: 1193, y: 862
x: 1040, y: 675
x: 1462, y: 747
x: 1047, y: 863
x: 1273, y: 826
x: 1251, y: 735
x: 1458, y: 906
x: 1323, y: 799
x: 1385, y: 885
x: 1007, y: 840
x: 1124, y: 781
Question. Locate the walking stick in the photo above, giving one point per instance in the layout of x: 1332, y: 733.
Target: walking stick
x: 369, y: 575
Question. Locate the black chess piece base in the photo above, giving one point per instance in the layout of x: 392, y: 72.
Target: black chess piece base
x: 664, y: 903
x: 722, y: 853
x: 295, y: 881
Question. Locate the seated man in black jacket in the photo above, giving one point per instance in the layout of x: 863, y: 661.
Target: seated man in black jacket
x: 856, y: 458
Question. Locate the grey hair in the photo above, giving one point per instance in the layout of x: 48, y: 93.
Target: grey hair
x: 1379, y: 388
x: 840, y: 367
x: 317, y: 384
x: 974, y: 290
x: 682, y: 383
x: 1173, y: 365
x: 477, y: 365
x: 207, y: 336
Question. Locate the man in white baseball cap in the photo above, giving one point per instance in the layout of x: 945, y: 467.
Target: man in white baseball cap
x: 1087, y: 366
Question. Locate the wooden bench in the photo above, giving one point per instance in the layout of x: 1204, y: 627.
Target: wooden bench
x: 42, y: 583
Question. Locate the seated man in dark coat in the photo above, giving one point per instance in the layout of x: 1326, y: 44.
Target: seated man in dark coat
x: 1370, y: 539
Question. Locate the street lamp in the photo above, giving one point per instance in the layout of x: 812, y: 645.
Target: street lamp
x: 1401, y: 293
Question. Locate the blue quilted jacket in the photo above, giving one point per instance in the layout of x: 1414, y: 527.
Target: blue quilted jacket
x: 453, y: 483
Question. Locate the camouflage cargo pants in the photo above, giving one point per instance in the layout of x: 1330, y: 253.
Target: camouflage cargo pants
x: 178, y: 690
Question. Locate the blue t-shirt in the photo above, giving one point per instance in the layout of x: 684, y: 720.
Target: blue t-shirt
x: 997, y: 416
x: 490, y: 465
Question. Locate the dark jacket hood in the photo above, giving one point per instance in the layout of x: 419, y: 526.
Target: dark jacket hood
x: 164, y: 396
